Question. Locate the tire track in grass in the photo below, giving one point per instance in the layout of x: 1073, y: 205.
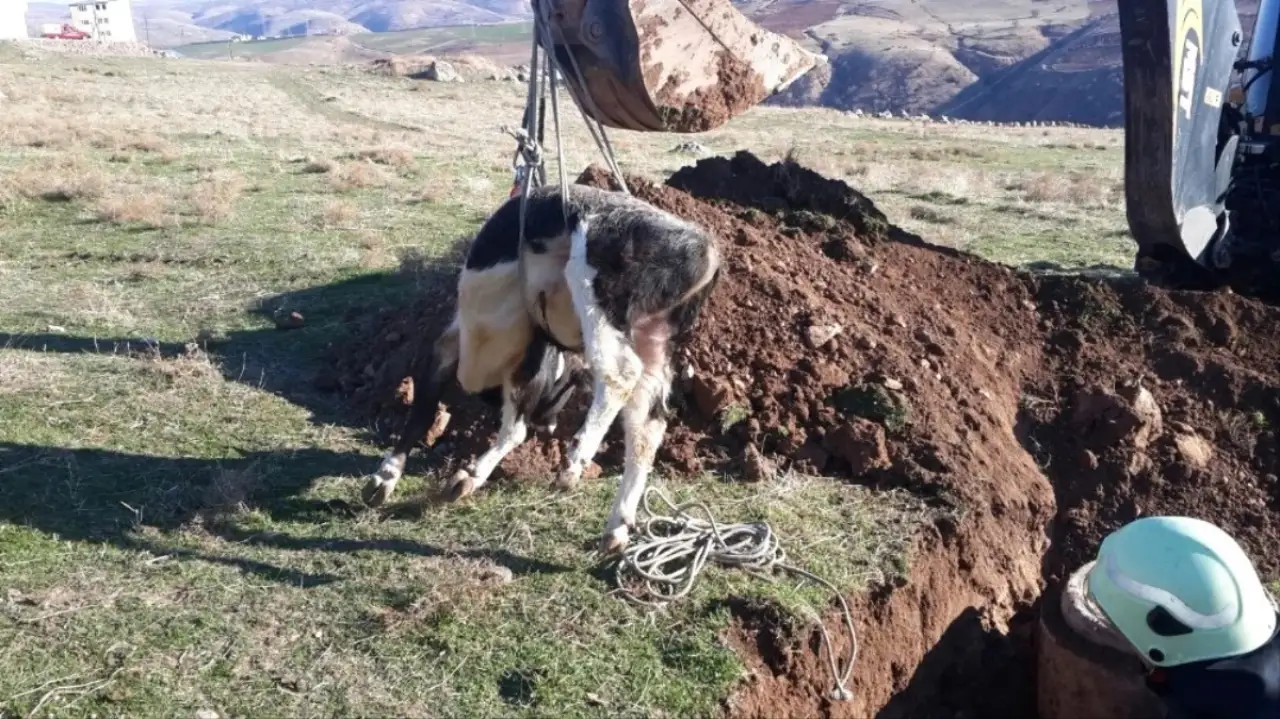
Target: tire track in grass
x: 311, y: 99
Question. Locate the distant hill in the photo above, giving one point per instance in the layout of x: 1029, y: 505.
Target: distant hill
x: 172, y: 23
x: 1004, y: 60
x: 1076, y: 79
x: 886, y: 54
x: 275, y: 21
x: 160, y: 24
x: 903, y: 55
x: 274, y: 18
x: 1079, y: 78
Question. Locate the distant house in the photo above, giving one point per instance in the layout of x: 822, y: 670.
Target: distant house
x: 13, y: 19
x: 104, y: 20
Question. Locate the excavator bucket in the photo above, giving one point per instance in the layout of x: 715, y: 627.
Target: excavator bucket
x: 1178, y: 58
x: 677, y: 66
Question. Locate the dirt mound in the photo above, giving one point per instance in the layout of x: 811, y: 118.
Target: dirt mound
x: 1195, y: 437
x: 1039, y: 409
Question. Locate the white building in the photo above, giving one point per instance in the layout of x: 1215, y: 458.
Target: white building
x: 13, y: 19
x: 104, y: 20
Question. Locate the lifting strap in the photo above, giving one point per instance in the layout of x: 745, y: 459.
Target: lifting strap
x: 529, y: 161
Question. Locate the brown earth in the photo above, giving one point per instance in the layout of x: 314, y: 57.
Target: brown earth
x: 737, y: 89
x: 1044, y: 411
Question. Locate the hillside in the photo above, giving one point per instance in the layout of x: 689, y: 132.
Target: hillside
x: 291, y: 17
x: 1076, y: 79
x: 1012, y: 61
x: 160, y: 24
x: 174, y: 23
x: 909, y: 56
x: 900, y: 55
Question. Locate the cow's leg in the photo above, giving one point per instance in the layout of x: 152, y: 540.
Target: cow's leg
x: 615, y: 368
x: 547, y: 410
x: 428, y: 385
x: 512, y: 434
x: 644, y: 419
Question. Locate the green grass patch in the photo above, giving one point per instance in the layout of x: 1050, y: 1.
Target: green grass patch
x: 874, y: 402
x: 733, y: 415
x: 488, y: 608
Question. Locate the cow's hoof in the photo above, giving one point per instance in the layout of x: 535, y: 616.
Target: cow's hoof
x: 378, y: 490
x: 615, y: 541
x: 462, y: 485
x: 567, y: 479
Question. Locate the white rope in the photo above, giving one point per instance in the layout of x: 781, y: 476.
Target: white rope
x: 553, y: 67
x: 664, y: 562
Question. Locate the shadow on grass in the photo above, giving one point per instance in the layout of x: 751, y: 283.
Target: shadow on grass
x: 104, y: 496
x: 94, y: 495
x: 1095, y: 271
x: 284, y: 362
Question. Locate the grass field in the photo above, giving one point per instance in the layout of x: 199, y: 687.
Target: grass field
x: 444, y: 39
x: 180, y: 528
x: 227, y: 50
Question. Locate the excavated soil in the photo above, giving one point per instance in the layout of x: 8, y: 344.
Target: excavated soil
x: 1045, y: 411
x: 736, y: 89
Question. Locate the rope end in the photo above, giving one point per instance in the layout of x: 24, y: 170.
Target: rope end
x: 840, y: 694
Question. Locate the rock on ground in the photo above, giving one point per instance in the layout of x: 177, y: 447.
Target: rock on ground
x: 441, y: 71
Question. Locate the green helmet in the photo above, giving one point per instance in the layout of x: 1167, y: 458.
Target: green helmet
x: 1181, y: 590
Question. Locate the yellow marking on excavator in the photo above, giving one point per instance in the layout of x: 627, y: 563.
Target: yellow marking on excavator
x: 1190, y: 30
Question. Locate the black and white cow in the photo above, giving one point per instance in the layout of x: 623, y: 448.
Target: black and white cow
x: 615, y: 286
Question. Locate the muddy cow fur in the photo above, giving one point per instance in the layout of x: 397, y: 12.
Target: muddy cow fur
x: 603, y: 298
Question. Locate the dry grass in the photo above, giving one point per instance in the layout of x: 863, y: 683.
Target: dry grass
x: 930, y: 215
x: 952, y: 152
x: 318, y: 167
x: 39, y: 130
x: 147, y: 210
x: 48, y: 130
x: 213, y: 198
x: 63, y: 180
x: 1069, y: 189
x: 339, y: 214
x: 396, y: 157
x: 374, y: 253
x: 193, y: 364
x: 22, y: 372
x: 358, y: 175
x: 148, y: 143
x: 431, y: 194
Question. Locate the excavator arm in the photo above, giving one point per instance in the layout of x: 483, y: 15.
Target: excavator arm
x: 676, y: 66
x: 1179, y: 156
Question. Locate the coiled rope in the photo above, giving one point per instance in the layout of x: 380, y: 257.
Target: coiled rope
x: 663, y: 563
